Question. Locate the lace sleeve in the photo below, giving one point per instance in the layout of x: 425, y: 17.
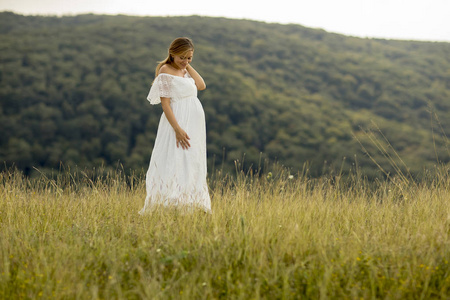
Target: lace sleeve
x: 162, y: 87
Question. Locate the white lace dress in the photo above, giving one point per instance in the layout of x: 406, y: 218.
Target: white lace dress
x: 177, y: 176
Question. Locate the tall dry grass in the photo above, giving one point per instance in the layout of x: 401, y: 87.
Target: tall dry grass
x: 79, y: 236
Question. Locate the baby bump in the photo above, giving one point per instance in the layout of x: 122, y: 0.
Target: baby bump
x: 189, y: 114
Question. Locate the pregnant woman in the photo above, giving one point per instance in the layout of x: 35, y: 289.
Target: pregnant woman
x: 176, y: 175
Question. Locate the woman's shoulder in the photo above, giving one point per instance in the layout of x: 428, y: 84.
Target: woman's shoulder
x: 169, y: 70
x: 164, y: 75
x: 166, y: 69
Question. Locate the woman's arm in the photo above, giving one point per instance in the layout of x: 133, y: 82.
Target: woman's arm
x: 199, y: 82
x: 181, y: 135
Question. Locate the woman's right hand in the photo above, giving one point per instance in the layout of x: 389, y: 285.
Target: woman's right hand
x: 182, y: 139
x: 181, y: 136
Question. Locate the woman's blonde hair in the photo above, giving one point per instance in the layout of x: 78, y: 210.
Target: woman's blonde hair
x: 179, y: 46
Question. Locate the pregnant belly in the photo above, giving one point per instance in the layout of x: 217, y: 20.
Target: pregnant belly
x: 190, y: 116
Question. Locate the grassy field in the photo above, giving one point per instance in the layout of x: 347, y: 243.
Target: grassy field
x: 276, y: 236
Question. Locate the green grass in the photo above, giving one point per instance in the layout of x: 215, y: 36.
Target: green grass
x: 269, y: 237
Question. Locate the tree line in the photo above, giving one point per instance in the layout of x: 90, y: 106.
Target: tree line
x: 73, y: 91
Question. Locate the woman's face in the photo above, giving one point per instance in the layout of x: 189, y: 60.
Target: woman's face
x: 182, y: 61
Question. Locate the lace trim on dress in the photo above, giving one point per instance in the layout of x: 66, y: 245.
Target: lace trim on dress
x: 171, y: 194
x: 162, y: 87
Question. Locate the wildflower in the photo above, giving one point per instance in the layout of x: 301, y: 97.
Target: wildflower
x: 291, y: 177
x: 158, y: 250
x: 269, y: 175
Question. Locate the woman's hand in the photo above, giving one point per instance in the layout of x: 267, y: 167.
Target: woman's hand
x: 181, y: 136
x: 182, y: 139
x: 199, y: 82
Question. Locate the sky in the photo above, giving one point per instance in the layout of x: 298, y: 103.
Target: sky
x: 427, y: 20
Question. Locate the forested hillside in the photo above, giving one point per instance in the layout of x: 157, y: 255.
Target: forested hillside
x: 73, y: 90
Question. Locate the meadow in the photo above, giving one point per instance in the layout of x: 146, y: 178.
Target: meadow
x: 78, y: 235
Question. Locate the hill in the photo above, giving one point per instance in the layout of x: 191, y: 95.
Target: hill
x: 73, y: 89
